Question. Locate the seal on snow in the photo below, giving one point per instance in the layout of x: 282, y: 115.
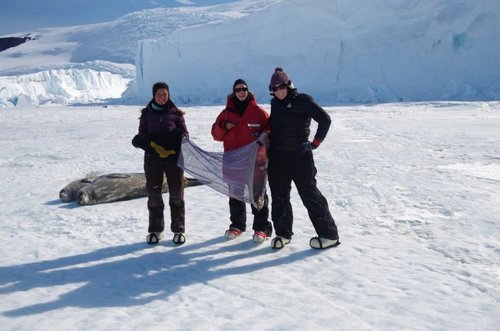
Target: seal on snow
x: 68, y: 193
x: 111, y: 187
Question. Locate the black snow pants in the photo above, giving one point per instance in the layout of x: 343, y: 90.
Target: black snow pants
x: 261, y: 222
x: 285, y: 167
x: 154, y: 168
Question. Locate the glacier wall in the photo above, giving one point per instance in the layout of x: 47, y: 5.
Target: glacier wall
x: 337, y: 50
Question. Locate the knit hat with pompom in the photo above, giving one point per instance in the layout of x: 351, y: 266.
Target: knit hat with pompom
x: 278, y: 78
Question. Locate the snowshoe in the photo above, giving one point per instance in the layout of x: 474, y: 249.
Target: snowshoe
x: 322, y: 243
x: 179, y: 238
x: 279, y: 242
x: 154, y: 238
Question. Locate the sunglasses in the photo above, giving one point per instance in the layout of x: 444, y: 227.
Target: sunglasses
x: 241, y: 89
x: 279, y: 87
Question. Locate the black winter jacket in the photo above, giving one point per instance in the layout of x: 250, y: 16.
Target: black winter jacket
x: 291, y: 119
x: 167, y: 119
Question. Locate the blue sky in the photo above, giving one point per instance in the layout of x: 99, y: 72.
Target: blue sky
x: 27, y: 15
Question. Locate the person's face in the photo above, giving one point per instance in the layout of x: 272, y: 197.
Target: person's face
x: 241, y: 91
x: 161, y: 96
x: 280, y: 91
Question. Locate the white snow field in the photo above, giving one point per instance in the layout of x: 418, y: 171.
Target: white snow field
x: 414, y: 189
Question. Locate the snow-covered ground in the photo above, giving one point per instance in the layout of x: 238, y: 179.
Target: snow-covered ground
x: 414, y: 189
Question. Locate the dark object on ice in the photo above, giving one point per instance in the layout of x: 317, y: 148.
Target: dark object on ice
x: 110, y: 188
x: 9, y: 42
x: 68, y: 193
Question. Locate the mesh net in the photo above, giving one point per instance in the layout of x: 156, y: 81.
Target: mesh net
x: 240, y: 174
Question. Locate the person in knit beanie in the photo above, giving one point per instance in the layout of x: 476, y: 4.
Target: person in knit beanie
x: 161, y: 128
x: 242, y: 122
x: 279, y: 78
x: 291, y: 160
x: 241, y: 82
x: 160, y: 85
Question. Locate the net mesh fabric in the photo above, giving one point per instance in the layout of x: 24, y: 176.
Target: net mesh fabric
x: 239, y: 174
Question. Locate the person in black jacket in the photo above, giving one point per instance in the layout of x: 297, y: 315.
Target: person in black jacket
x: 291, y: 159
x: 161, y: 128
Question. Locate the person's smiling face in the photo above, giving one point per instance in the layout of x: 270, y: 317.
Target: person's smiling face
x: 161, y: 96
x: 241, y: 91
x: 280, y: 91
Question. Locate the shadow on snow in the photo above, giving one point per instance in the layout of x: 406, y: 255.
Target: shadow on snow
x: 137, y: 279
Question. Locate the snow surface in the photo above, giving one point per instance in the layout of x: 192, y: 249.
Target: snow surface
x: 414, y: 189
x: 342, y: 51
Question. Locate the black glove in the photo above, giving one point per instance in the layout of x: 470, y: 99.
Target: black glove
x: 178, y: 131
x: 305, y: 148
x: 166, y: 145
x: 139, y: 141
